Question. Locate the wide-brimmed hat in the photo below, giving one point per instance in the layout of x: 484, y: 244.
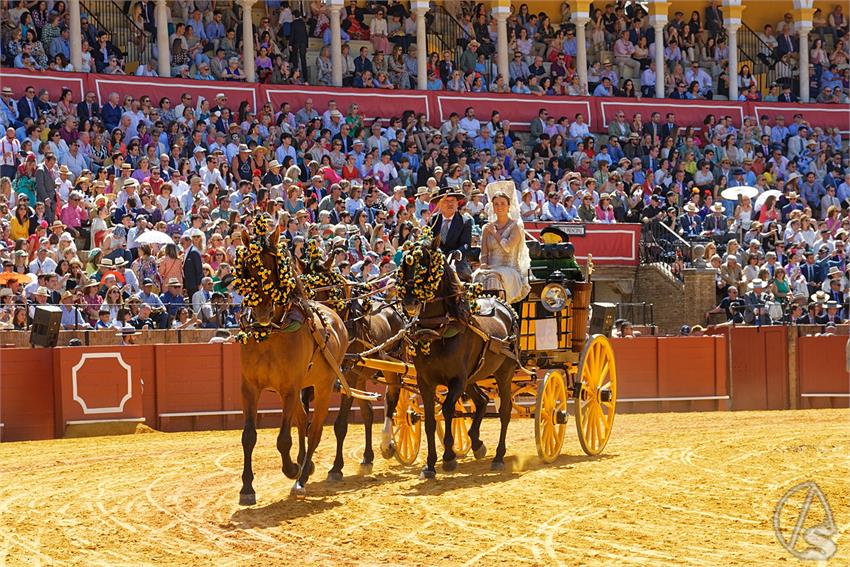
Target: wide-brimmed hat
x: 833, y: 271
x: 691, y: 208
x: 758, y: 282
x: 64, y: 169
x: 792, y: 195
x: 717, y: 208
x: 244, y: 148
x: 423, y: 191
x: 58, y: 224
x: 42, y: 291
x: 127, y: 331
x: 118, y: 262
x: 106, y: 263
x: 173, y: 282
x: 67, y: 295
x: 446, y: 192
x: 274, y: 163
x: 819, y: 297
x: 474, y: 43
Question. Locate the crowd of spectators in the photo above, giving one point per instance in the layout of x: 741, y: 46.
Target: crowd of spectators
x: 205, y: 42
x: 80, y: 184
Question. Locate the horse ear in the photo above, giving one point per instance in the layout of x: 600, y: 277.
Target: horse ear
x: 329, y: 263
x: 435, y: 242
x: 274, y: 237
x: 299, y: 265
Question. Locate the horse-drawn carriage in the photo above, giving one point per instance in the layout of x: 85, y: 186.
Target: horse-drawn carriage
x: 560, y: 365
x: 444, y: 352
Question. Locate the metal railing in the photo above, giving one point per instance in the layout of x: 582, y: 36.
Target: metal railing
x: 125, y: 34
x: 758, y: 55
x: 447, y: 33
x: 642, y: 314
x: 661, y: 244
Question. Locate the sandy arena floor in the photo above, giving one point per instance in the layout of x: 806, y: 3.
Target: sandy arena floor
x: 683, y: 489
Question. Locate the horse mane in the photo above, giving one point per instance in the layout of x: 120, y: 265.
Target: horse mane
x: 455, y: 295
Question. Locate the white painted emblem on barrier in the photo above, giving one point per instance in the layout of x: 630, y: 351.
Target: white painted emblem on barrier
x: 93, y: 355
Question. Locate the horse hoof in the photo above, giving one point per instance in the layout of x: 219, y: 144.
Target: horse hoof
x: 428, y: 474
x: 497, y: 466
x: 388, y: 451
x: 449, y: 466
x: 247, y: 499
x: 298, y: 492
x: 480, y: 452
x: 291, y: 471
x: 335, y: 476
x: 365, y: 468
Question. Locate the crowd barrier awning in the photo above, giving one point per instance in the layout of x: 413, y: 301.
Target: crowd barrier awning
x: 520, y: 110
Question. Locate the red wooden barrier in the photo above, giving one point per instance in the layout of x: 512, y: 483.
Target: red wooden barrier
x: 19, y: 79
x: 156, y: 88
x: 671, y: 373
x: 26, y: 383
x: 823, y: 379
x: 99, y: 384
x: 760, y: 368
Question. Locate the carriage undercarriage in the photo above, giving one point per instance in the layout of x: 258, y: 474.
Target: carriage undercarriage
x: 569, y: 374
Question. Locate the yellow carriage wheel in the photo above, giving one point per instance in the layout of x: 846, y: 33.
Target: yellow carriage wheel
x: 597, y: 397
x: 550, y: 415
x: 407, y: 427
x: 460, y: 426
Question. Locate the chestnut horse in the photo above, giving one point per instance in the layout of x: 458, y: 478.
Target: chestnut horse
x: 455, y: 348
x: 292, y: 344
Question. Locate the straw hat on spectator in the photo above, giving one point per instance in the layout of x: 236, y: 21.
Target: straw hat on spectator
x: 67, y: 295
x: 833, y: 271
x: 127, y: 331
x: 819, y: 297
x: 423, y: 191
x: 717, y: 208
x: 57, y: 224
x: 64, y: 169
x: 42, y: 291
x: 691, y: 208
x: 5, y: 292
x: 273, y: 164
x: 757, y: 283
x: 7, y: 90
x: 105, y: 263
x: 119, y: 262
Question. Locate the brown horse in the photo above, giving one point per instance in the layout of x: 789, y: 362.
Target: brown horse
x: 292, y: 344
x: 455, y: 348
x: 369, y: 322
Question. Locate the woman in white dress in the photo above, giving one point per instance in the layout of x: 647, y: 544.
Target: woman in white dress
x: 504, y: 255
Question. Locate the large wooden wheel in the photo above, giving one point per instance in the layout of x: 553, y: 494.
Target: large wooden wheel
x: 407, y: 427
x: 597, y: 394
x: 460, y: 426
x: 550, y: 415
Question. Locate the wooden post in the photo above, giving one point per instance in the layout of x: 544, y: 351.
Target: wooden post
x: 793, y: 378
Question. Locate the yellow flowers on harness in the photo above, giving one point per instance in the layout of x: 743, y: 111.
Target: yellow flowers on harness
x: 428, y: 265
x: 256, y: 282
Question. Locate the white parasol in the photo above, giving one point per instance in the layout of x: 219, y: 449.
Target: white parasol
x: 733, y: 193
x: 764, y: 196
x: 154, y: 237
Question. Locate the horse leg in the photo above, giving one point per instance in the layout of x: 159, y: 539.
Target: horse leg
x: 503, y: 376
x: 427, y: 392
x: 480, y: 399
x: 340, y: 431
x: 392, y: 395
x: 250, y: 396
x: 320, y: 412
x: 284, y: 438
x: 456, y: 387
x: 368, y: 420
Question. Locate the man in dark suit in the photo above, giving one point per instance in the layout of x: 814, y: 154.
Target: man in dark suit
x: 670, y: 128
x: 193, y: 266
x: 653, y: 128
x: 786, y: 44
x: 298, y: 40
x: 28, y: 105
x: 454, y: 230
x: 88, y: 109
